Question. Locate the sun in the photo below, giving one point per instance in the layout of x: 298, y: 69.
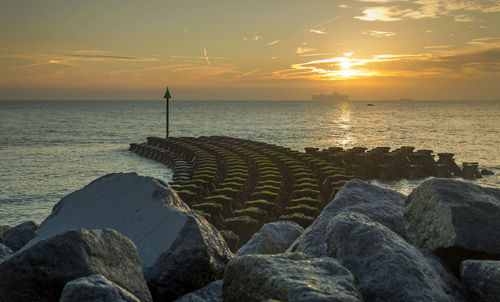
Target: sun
x: 338, y: 68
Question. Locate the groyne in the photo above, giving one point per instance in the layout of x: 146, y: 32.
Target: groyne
x: 238, y: 185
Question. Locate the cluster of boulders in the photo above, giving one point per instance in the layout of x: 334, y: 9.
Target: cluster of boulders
x: 126, y: 237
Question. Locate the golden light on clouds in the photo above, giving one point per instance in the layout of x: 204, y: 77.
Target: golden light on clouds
x: 338, y: 68
x: 440, y: 62
x: 238, y: 50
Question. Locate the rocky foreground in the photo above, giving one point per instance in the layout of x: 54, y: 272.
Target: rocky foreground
x: 126, y: 237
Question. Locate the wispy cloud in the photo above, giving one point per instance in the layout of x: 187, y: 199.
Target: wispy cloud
x: 314, y: 54
x: 74, y: 59
x: 438, y: 46
x: 381, y: 13
x: 427, y: 9
x: 485, y: 42
x: 317, y: 31
x: 81, y: 56
x: 303, y: 50
x: 247, y: 74
x: 466, y: 19
x: 381, y: 1
x: 377, y: 33
x: 90, y: 57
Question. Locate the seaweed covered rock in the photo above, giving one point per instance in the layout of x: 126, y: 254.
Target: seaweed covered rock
x: 287, y: 277
x: 456, y: 220
x: 482, y: 279
x: 179, y: 250
x: 382, y: 205
x: 95, y: 288
x: 385, y: 266
x: 210, y: 293
x: 42, y: 270
x: 272, y: 238
x: 16, y: 237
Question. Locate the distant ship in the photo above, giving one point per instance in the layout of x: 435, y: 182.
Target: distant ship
x: 334, y: 97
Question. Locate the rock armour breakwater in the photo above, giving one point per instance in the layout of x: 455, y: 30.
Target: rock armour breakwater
x: 238, y: 185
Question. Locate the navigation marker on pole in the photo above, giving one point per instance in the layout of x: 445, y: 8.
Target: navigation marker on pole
x: 167, y: 97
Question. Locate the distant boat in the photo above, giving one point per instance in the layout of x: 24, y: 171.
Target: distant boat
x: 406, y: 99
x: 334, y: 97
x: 370, y: 104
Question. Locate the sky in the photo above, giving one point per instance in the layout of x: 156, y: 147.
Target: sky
x: 249, y: 50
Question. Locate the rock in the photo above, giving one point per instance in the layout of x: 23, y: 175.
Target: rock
x: 454, y: 219
x: 179, y: 250
x: 231, y: 239
x: 272, y: 238
x: 42, y: 270
x: 5, y: 252
x: 197, y: 257
x: 382, y: 205
x: 210, y: 293
x: 95, y: 288
x: 482, y: 279
x: 487, y: 172
x: 3, y: 228
x: 385, y: 266
x: 18, y: 236
x: 287, y: 277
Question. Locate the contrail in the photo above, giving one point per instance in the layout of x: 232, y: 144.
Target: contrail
x: 206, y: 57
x: 328, y: 21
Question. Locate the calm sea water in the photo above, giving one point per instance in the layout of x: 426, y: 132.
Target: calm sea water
x: 51, y: 148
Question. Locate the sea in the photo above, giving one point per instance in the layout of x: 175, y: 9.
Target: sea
x: 49, y: 149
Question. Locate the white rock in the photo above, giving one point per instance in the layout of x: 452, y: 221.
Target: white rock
x: 179, y: 250
x: 272, y: 238
x: 142, y: 208
x: 95, y: 288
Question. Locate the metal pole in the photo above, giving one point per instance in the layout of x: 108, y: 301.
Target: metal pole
x: 167, y: 116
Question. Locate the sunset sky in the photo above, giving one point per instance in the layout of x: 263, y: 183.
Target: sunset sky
x: 234, y: 49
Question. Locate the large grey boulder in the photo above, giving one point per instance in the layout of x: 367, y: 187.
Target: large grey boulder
x: 381, y: 205
x: 385, y: 266
x: 18, y: 236
x: 272, y: 238
x: 210, y: 293
x: 39, y: 273
x: 95, y: 288
x: 482, y: 279
x: 5, y: 252
x: 197, y: 257
x: 287, y: 277
x: 179, y: 250
x: 456, y: 220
